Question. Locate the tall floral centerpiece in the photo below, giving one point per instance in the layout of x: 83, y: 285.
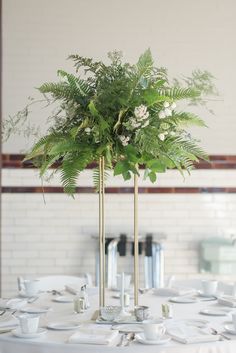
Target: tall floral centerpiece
x: 122, y: 116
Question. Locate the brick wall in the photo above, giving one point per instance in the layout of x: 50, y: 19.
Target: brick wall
x: 55, y: 238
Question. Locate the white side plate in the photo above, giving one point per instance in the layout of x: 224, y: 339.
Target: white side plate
x: 183, y: 300
x: 63, y: 299
x: 214, y: 312
x: 70, y: 325
x: 36, y: 310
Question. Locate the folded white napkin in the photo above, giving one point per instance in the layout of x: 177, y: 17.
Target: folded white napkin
x: 174, y: 291
x: 227, y: 300
x: 94, y: 336
x: 14, y: 304
x: 187, y: 335
x: 7, y: 320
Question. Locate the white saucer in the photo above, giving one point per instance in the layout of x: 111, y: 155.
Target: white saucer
x: 141, y: 338
x: 24, y: 295
x: 207, y: 296
x: 183, y: 300
x: 36, y: 310
x: 230, y: 328
x: 127, y: 328
x: 63, y: 299
x: 17, y: 332
x: 214, y: 312
x: 60, y: 325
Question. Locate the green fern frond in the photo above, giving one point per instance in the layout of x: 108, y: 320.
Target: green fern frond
x: 96, y: 177
x: 76, y: 83
x: 71, y: 167
x: 178, y: 93
x: 184, y: 119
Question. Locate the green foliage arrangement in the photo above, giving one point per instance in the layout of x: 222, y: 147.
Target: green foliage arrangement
x: 126, y: 113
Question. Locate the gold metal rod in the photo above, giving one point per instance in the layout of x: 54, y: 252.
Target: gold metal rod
x: 101, y: 271
x: 103, y: 233
x: 136, y: 252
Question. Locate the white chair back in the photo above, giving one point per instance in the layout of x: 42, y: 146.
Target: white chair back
x: 59, y: 282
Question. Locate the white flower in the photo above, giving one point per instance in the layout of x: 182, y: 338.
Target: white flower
x: 162, y: 114
x: 172, y: 133
x: 173, y: 106
x: 166, y: 104
x: 146, y: 123
x: 168, y: 112
x: 87, y: 130
x: 140, y: 112
x: 124, y: 140
x: 161, y: 137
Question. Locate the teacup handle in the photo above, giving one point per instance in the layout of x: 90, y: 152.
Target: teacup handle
x: 21, y: 284
x: 162, y: 330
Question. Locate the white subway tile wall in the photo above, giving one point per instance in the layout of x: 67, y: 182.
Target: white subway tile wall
x: 55, y: 237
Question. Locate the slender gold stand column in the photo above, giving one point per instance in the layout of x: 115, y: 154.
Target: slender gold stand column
x: 136, y: 255
x: 102, y: 267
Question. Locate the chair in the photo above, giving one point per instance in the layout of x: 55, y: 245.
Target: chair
x: 58, y: 282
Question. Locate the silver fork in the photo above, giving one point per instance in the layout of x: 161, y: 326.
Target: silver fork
x: 216, y: 332
x: 129, y: 338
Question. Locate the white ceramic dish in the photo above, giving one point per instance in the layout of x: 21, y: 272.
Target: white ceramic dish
x: 230, y: 329
x: 141, y: 338
x: 60, y: 326
x: 17, y: 332
x: 128, y: 320
x: 214, y: 312
x: 36, y: 310
x: 127, y: 328
x: 63, y: 299
x: 183, y: 300
x: 203, y: 295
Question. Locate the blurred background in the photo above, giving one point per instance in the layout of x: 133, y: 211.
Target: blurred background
x: 191, y: 222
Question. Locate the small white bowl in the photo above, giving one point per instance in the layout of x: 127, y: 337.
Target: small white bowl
x: 110, y: 313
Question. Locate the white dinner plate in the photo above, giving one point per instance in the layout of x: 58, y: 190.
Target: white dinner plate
x: 230, y: 328
x: 183, y: 300
x: 17, y: 332
x: 126, y: 328
x: 141, y: 338
x: 36, y: 310
x: 214, y: 312
x: 60, y: 325
x: 63, y: 299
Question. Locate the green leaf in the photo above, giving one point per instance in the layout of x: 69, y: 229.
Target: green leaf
x: 152, y: 177
x: 120, y: 167
x: 126, y: 175
x: 93, y: 110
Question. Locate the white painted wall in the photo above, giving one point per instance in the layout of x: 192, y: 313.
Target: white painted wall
x: 183, y: 35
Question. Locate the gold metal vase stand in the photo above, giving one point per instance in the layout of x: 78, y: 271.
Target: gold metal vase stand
x: 102, y: 238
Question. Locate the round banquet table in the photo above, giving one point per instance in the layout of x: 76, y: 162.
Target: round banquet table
x: 56, y: 341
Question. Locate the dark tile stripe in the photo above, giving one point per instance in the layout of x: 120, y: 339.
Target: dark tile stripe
x: 120, y: 190
x: 216, y: 162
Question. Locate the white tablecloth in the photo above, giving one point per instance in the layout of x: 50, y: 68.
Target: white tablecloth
x: 56, y: 341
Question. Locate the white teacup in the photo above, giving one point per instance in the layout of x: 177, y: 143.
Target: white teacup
x: 127, y: 280
x: 209, y: 287
x: 234, y: 319
x: 31, y: 287
x: 153, y: 329
x: 29, y: 323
